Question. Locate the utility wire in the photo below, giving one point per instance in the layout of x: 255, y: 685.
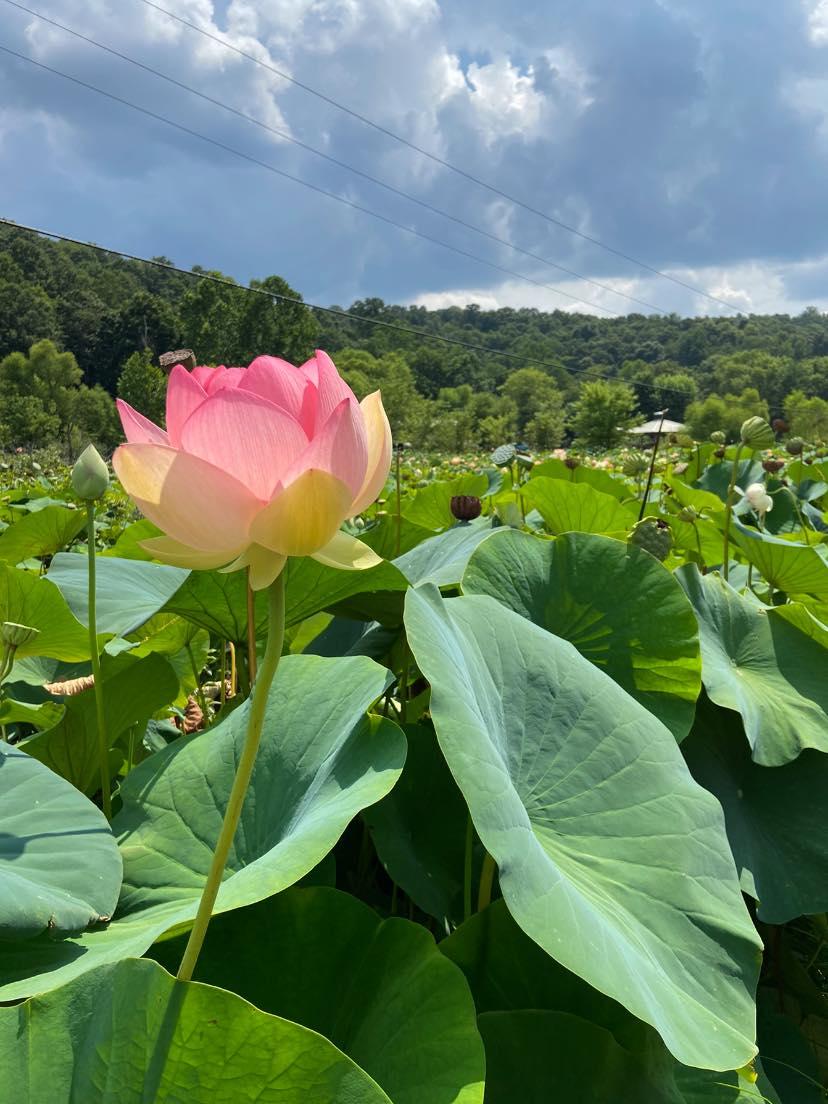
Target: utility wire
x: 285, y: 136
x: 411, y: 331
x: 437, y: 159
x: 298, y: 180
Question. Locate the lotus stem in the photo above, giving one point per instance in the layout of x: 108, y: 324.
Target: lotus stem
x: 729, y: 512
x: 484, y: 893
x: 251, y: 632
x: 650, y: 473
x: 467, y: 871
x: 255, y: 721
x: 97, y: 687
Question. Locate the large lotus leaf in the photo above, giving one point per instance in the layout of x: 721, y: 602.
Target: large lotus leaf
x: 796, y: 569
x: 610, y: 856
x: 423, y: 853
x: 130, y: 1034
x: 185, y: 647
x: 29, y: 600
x: 431, y: 506
x: 759, y: 662
x: 508, y: 972
x: 60, y: 869
x: 716, y: 477
x: 128, y: 544
x: 577, y: 508
x: 442, y: 559
x: 134, y: 689
x: 40, y: 534
x: 320, y: 762
x: 217, y: 602
x: 594, y: 477
x: 379, y: 989
x: 616, y: 603
x: 127, y: 592
x: 531, y: 1053
x: 312, y: 587
x: 775, y: 816
x: 390, y: 540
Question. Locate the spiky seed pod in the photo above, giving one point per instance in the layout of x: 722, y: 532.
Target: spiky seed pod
x: 653, y: 535
x: 719, y: 453
x: 717, y: 437
x: 773, y: 465
x: 572, y: 462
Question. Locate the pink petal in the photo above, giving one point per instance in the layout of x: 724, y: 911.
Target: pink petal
x: 331, y: 387
x: 247, y: 436
x: 203, y: 373
x: 284, y: 385
x: 190, y: 500
x: 378, y: 433
x: 339, y: 448
x: 139, y: 430
x: 224, y: 379
x: 184, y: 395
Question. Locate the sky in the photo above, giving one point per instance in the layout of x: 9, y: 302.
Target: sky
x: 690, y: 135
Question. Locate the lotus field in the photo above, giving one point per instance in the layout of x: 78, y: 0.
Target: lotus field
x: 333, y: 773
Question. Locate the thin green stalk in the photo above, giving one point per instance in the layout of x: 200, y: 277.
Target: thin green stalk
x: 484, y: 892
x: 651, y: 472
x: 399, y: 505
x: 467, y: 870
x: 103, y: 742
x: 402, y: 688
x: 223, y: 691
x: 255, y: 720
x: 729, y: 512
x: 251, y: 631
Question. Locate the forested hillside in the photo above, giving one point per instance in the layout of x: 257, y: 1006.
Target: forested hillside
x: 105, y: 320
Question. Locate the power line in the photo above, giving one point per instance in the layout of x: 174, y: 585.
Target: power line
x: 284, y: 135
x: 411, y: 331
x: 298, y: 180
x: 437, y: 159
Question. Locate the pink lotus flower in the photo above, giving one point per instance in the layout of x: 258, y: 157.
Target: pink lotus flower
x: 257, y: 464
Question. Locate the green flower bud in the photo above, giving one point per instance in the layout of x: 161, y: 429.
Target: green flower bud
x: 795, y: 446
x: 15, y: 636
x: 90, y: 475
x: 757, y: 433
x: 688, y: 514
x: 717, y: 437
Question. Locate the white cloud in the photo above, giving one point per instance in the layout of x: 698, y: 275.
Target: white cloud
x: 755, y: 287
x: 818, y: 23
x: 504, y: 101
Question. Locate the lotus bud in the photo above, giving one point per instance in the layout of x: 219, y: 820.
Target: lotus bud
x: 466, y: 507
x: 688, y: 514
x: 795, y: 446
x: 756, y: 433
x: 717, y: 437
x: 15, y: 636
x: 90, y: 475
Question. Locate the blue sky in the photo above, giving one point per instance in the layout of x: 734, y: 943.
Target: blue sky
x: 691, y: 134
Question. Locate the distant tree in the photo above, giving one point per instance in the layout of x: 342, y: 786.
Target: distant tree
x: 265, y: 325
x: 25, y: 423
x: 725, y: 413
x: 143, y: 385
x: 807, y: 417
x: 531, y: 390
x: 546, y: 430
x: 210, y: 320
x: 674, y: 391
x: 603, y: 411
x: 145, y: 322
x: 27, y: 315
x: 94, y: 418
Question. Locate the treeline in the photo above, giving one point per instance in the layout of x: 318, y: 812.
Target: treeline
x: 567, y: 375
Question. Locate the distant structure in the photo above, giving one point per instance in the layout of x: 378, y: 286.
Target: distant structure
x: 656, y: 426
